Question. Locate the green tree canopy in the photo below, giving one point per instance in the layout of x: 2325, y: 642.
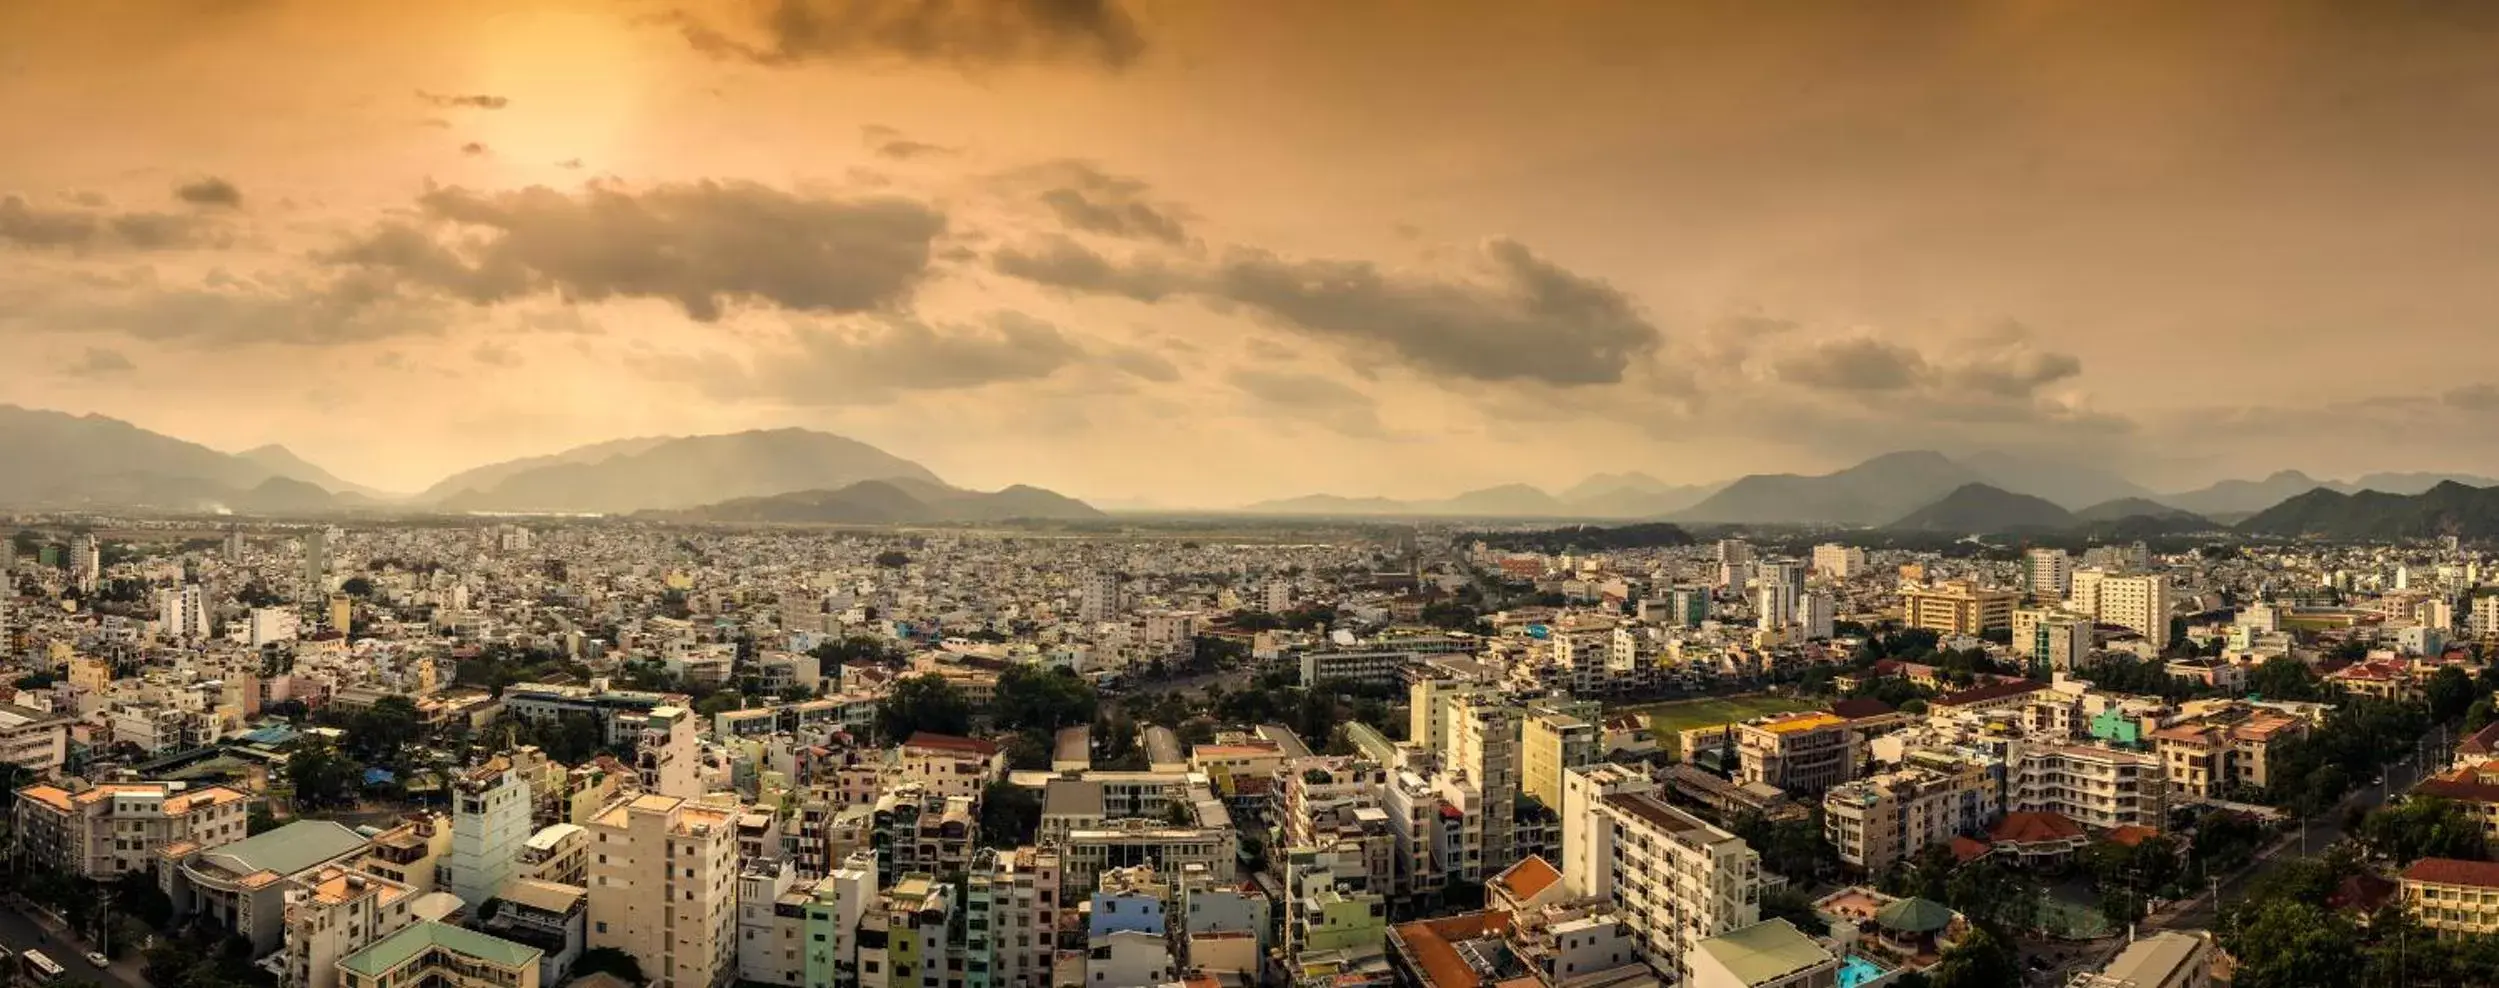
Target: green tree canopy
x: 926, y: 702
x: 1041, y: 699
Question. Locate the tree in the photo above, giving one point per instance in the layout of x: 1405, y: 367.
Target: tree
x: 2284, y: 677
x: 2282, y: 943
x: 2424, y: 827
x: 1010, y: 815
x: 925, y: 702
x: 321, y: 775
x: 609, y: 960
x: 259, y: 821
x: 357, y: 586
x: 2449, y: 692
x: 1981, y: 961
x: 2479, y: 715
x: 383, y: 731
x: 1039, y: 699
x: 893, y: 559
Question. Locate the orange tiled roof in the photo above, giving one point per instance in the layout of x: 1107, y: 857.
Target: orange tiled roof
x: 1528, y: 878
x: 2034, y: 828
x: 2451, y: 871
x: 1431, y: 943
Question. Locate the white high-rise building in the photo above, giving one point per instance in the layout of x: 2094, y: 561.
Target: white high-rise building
x: 1485, y: 736
x: 274, y: 624
x: 1814, y: 618
x: 2049, y: 641
x: 490, y: 808
x: 316, y: 565
x: 1777, y: 585
x: 1839, y: 561
x: 183, y: 611
x: 2048, y: 573
x: 86, y: 562
x: 1676, y: 879
x: 667, y: 756
x: 663, y: 888
x: 1278, y: 596
x: 2486, y: 614
x: 2139, y: 602
x: 1101, y: 598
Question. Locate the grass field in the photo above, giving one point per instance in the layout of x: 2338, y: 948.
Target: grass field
x: 1678, y: 715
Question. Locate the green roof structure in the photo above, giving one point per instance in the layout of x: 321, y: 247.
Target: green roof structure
x: 398, y: 949
x: 1914, y: 915
x: 1765, y: 952
x: 289, y: 849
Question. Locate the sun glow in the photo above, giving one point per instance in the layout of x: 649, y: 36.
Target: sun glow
x: 574, y: 88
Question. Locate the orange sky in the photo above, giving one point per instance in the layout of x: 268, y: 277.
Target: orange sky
x: 1208, y: 253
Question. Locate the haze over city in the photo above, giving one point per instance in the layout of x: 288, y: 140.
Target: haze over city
x: 1150, y: 251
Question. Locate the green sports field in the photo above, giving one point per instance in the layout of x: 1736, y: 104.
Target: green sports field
x: 1678, y: 715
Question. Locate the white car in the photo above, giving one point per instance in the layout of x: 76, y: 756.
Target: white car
x: 99, y: 960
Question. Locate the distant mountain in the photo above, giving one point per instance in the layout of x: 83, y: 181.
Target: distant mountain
x: 1874, y: 492
x: 2416, y: 483
x: 53, y: 458
x: 1981, y: 508
x: 1605, y: 484
x: 2072, y: 485
x: 2249, y: 495
x: 284, y: 495
x: 891, y: 502
x: 1516, y: 500
x: 1332, y: 505
x: 2447, y: 509
x: 282, y: 462
x: 485, y: 478
x: 687, y: 472
x: 2135, y: 507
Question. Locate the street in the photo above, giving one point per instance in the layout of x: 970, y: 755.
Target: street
x: 2317, y: 834
x: 20, y: 932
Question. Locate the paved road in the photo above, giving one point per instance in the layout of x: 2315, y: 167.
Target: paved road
x: 2315, y: 835
x: 19, y: 932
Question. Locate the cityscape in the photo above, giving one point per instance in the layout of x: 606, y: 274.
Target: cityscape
x: 1142, y: 494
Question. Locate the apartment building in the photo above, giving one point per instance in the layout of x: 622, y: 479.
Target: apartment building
x: 1679, y: 881
x: 950, y: 766
x: 841, y: 900
x: 2138, y: 602
x: 1485, y: 750
x: 490, y: 814
x: 2474, y: 788
x: 2225, y: 752
x: 2100, y: 788
x: 337, y: 912
x: 667, y: 754
x: 2453, y: 897
x: 663, y: 873
x: 1124, y: 843
x: 1958, y: 607
x: 1838, y: 561
x: 1012, y: 904
x: 103, y: 831
x: 1934, y: 797
x: 1552, y: 742
x: 2168, y: 959
x: 1801, y: 753
x: 33, y: 739
x: 2047, y: 573
x: 2050, y: 640
x: 905, y: 939
x: 1587, y: 833
x: 416, y: 853
x: 438, y: 954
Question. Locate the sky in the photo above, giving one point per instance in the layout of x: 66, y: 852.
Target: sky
x: 1205, y: 253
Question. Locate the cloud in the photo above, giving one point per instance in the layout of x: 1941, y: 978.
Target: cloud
x: 1531, y: 321
x: 226, y: 310
x: 873, y: 359
x: 1142, y: 363
x: 703, y: 246
x: 25, y: 224
x: 1527, y: 319
x: 958, y: 32
x: 472, y: 148
x: 1857, y: 363
x: 211, y: 191
x: 1312, y: 397
x: 1087, y: 198
x: 474, y: 101
x: 98, y: 362
x: 1055, y: 261
x: 2473, y: 397
x: 496, y: 355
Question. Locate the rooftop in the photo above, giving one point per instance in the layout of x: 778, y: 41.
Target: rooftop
x: 289, y: 849
x: 1765, y: 951
x: 1528, y: 878
x: 2453, y: 871
x: 398, y: 949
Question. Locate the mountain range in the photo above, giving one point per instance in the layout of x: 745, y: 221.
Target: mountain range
x: 897, y: 501
x: 2450, y: 508
x: 1622, y: 496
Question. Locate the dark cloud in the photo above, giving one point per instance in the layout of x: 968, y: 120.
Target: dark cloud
x: 1531, y: 321
x: 903, y: 150
x: 211, y: 191
x: 1527, y: 320
x: 1058, y: 262
x: 1089, y: 199
x: 1858, y: 363
x: 98, y: 362
x: 1328, y: 402
x: 472, y: 148
x: 872, y: 359
x: 473, y: 101
x: 700, y: 245
x: 225, y: 310
x: 569, y: 163
x: 25, y: 224
x: 961, y: 32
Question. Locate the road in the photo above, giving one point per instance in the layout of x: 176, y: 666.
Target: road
x: 20, y: 931
x: 2315, y: 835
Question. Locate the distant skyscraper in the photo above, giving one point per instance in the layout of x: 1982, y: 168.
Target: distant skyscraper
x: 1813, y: 615
x: 2047, y: 573
x: 489, y: 824
x: 234, y: 546
x: 1101, y: 598
x: 183, y: 611
x: 86, y: 562
x: 316, y: 565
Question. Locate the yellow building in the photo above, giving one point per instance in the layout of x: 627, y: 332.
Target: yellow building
x: 1552, y: 742
x: 2453, y: 897
x: 1958, y: 607
x: 1803, y: 753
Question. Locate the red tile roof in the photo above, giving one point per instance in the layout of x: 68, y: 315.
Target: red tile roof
x: 1430, y: 942
x: 1966, y: 850
x: 1860, y: 707
x: 1528, y: 878
x: 1991, y: 691
x: 2451, y: 871
x: 949, y: 742
x: 2484, y: 741
x: 2033, y: 828
x: 2132, y: 834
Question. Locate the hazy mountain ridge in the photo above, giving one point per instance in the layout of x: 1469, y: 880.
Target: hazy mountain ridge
x: 2451, y: 508
x: 1979, y: 507
x: 282, y: 462
x: 693, y: 471
x: 891, y: 502
x: 1874, y: 492
x: 485, y: 478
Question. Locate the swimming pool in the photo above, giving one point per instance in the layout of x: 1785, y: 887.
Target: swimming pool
x: 1857, y: 970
